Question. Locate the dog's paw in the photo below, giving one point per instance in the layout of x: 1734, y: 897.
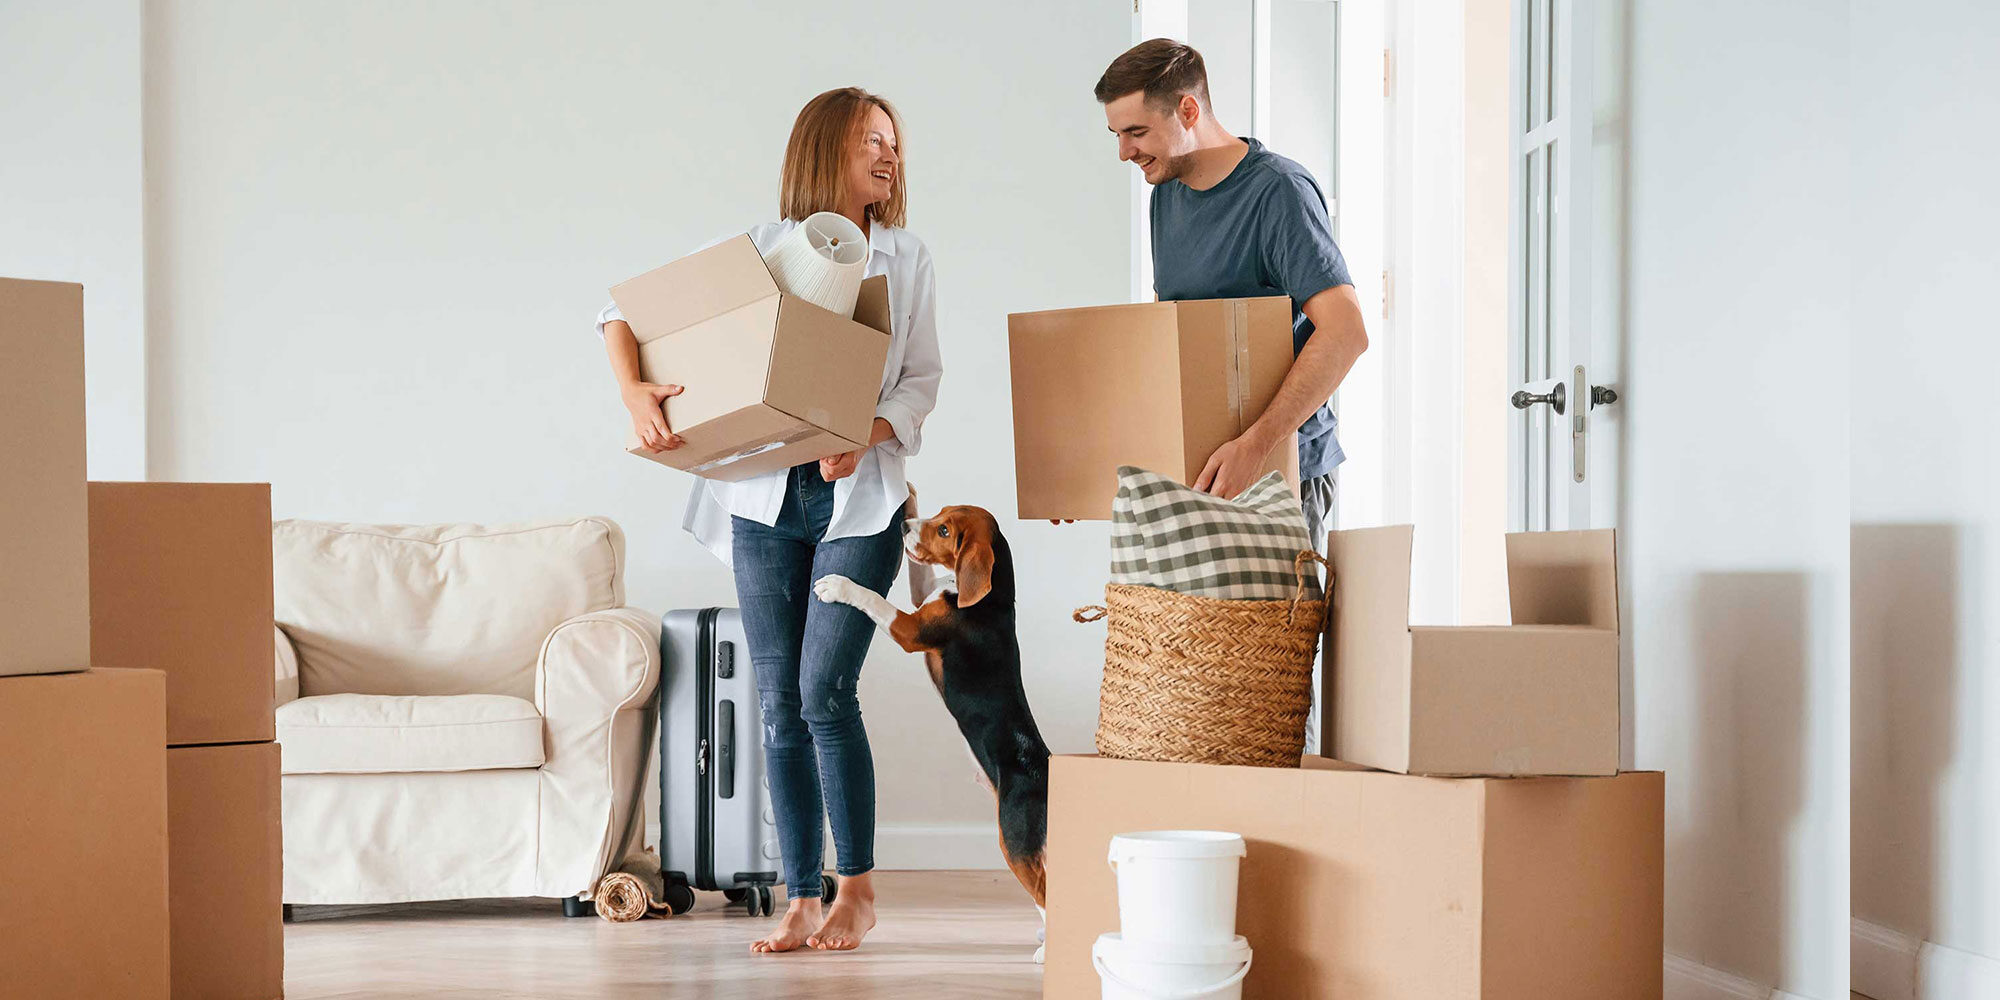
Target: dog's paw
x: 833, y: 589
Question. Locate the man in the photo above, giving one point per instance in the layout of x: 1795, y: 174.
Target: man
x: 1232, y: 219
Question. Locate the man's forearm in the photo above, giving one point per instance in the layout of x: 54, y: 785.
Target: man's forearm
x: 1336, y: 343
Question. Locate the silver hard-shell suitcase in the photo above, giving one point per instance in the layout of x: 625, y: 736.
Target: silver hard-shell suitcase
x: 717, y: 828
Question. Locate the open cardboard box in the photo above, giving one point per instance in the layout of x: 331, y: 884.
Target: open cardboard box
x: 1367, y: 885
x: 1536, y: 697
x: 1158, y: 385
x: 770, y: 381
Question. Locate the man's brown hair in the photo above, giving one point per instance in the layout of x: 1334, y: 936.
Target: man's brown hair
x: 814, y: 178
x: 1162, y: 68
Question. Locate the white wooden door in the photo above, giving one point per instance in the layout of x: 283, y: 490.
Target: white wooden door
x: 1563, y: 357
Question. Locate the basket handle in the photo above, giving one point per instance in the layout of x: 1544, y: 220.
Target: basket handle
x: 1301, y: 566
x: 1089, y: 613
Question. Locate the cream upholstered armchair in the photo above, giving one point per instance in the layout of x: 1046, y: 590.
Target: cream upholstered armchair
x: 464, y: 711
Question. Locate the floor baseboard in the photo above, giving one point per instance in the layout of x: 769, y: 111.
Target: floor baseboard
x: 1884, y: 962
x: 1687, y: 979
x: 940, y: 847
x: 1891, y: 965
x: 921, y: 847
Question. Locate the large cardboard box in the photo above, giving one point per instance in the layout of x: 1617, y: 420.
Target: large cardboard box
x: 1367, y: 885
x: 44, y: 562
x: 225, y: 872
x: 83, y: 835
x: 180, y: 581
x: 1537, y: 697
x: 770, y: 381
x: 1158, y: 385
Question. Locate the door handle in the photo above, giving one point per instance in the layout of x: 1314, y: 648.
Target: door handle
x: 1557, y: 398
x: 1602, y: 395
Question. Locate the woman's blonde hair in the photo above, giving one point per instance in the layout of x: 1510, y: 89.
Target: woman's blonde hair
x: 823, y: 137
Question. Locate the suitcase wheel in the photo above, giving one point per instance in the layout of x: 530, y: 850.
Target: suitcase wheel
x: 762, y: 905
x: 679, y: 898
x: 829, y: 889
x: 735, y: 895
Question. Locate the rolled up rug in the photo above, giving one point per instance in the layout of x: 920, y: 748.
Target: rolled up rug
x: 822, y: 261
x: 622, y: 897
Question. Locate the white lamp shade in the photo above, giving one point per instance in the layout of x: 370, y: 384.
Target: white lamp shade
x: 822, y: 261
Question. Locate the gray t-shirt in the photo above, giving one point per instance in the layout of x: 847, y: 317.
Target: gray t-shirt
x: 1262, y: 231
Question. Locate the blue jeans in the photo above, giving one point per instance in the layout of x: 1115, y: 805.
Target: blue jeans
x: 808, y: 657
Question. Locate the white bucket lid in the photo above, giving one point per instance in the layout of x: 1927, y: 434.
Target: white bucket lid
x: 1177, y: 844
x: 1114, y: 949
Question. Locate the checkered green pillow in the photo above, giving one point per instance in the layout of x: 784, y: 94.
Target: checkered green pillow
x: 1168, y: 535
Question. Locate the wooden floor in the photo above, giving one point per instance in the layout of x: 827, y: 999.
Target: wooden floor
x: 942, y: 935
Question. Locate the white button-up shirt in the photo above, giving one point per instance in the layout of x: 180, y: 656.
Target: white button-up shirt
x: 863, y: 502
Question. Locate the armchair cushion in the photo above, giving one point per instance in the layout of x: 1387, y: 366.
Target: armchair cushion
x: 437, y: 609
x: 375, y: 734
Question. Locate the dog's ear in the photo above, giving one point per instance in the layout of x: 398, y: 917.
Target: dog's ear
x: 975, y: 571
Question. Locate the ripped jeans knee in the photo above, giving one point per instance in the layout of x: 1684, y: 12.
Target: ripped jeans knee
x: 784, y: 728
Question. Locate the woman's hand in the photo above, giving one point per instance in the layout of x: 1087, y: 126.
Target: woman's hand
x: 842, y: 466
x: 646, y: 401
x: 839, y: 466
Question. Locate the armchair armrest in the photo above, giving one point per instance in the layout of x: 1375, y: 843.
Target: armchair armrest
x: 287, y: 665
x: 594, y: 685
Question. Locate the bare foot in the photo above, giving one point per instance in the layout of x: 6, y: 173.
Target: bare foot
x: 801, y: 919
x: 850, y: 918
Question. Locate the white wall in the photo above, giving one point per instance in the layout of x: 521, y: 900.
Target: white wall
x: 379, y: 232
x: 1422, y: 340
x: 1926, y: 488
x: 1736, y: 529
x: 70, y: 196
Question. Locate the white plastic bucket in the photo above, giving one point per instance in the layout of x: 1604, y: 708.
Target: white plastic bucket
x: 1177, y: 887
x: 1133, y: 970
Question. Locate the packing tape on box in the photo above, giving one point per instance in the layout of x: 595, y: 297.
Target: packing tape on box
x: 1236, y: 320
x: 822, y: 261
x: 770, y: 443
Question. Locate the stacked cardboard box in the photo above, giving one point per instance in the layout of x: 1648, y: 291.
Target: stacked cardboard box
x: 83, y: 830
x: 1538, y: 697
x: 181, y: 582
x: 1475, y: 840
x: 44, y: 557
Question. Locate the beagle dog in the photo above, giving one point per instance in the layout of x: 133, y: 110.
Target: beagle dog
x: 968, y: 641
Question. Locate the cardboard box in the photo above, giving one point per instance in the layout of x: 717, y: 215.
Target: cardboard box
x: 225, y: 872
x: 1158, y: 385
x: 770, y: 381
x: 1537, y: 697
x: 1367, y: 885
x: 44, y: 561
x: 83, y: 835
x: 180, y: 578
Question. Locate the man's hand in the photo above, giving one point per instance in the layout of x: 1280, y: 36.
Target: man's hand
x: 1234, y: 466
x: 839, y: 466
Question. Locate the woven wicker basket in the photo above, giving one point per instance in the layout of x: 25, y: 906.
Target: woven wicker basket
x: 1206, y: 681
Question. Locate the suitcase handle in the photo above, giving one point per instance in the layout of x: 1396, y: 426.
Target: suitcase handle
x: 725, y: 749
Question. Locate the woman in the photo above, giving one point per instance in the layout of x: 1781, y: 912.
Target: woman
x: 783, y: 530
